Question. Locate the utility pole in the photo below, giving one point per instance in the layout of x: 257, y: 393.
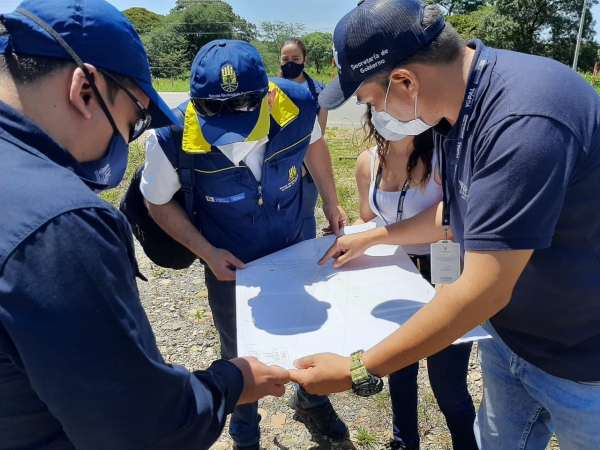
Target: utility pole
x: 579, y: 35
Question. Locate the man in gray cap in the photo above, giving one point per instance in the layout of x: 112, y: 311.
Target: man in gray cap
x: 518, y: 137
x: 79, y: 366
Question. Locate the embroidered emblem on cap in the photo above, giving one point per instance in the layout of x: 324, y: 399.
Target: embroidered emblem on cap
x: 229, y: 78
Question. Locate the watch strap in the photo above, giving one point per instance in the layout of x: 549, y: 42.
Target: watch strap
x: 358, y: 371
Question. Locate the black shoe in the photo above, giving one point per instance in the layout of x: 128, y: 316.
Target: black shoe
x: 322, y: 417
x: 395, y: 445
x: 247, y: 447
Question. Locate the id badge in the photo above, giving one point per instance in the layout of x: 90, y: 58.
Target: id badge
x: 445, y: 262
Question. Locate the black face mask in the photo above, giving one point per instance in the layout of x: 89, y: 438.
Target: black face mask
x: 292, y: 70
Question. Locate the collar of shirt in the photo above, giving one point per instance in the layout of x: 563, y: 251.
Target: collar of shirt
x: 20, y: 130
x: 444, y: 128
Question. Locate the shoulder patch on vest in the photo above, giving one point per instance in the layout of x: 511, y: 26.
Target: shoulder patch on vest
x: 193, y: 140
x: 284, y: 110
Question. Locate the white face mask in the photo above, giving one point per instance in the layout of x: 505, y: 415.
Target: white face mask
x: 380, y: 126
x: 237, y: 151
x: 410, y: 128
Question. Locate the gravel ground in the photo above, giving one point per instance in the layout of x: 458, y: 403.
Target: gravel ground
x: 177, y: 305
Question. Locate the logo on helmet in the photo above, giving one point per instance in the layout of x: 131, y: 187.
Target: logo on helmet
x: 229, y: 78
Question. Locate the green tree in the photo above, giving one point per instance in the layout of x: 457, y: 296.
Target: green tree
x: 486, y: 24
x: 270, y: 58
x: 543, y: 27
x: 275, y: 33
x: 318, y: 49
x: 190, y: 25
x: 270, y: 37
x: 238, y: 27
x: 142, y: 19
x: 166, y: 53
x: 459, y: 6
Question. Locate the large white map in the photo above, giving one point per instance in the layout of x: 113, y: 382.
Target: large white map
x: 289, y: 307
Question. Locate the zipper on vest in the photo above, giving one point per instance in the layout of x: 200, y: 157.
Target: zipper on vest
x: 278, y: 205
x: 260, y: 199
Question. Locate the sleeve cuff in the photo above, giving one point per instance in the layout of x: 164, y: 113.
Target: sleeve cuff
x: 232, y: 378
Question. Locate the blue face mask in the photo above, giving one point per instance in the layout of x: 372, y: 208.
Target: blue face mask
x: 109, y: 170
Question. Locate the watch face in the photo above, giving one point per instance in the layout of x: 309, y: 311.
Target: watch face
x: 370, y: 386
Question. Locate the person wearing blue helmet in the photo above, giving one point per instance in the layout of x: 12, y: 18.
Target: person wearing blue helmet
x: 79, y: 365
x: 248, y: 135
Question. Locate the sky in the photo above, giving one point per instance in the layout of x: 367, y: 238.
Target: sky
x: 317, y: 15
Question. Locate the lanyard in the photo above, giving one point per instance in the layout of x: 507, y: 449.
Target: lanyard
x: 400, y: 200
x: 461, y: 141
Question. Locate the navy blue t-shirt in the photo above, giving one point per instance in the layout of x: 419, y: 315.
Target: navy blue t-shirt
x: 528, y: 177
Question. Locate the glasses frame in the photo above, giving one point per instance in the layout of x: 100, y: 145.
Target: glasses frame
x: 142, y: 123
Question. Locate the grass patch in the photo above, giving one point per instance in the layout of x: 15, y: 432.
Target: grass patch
x: 588, y: 77
x: 366, y: 438
x: 381, y: 400
x: 171, y: 84
x: 158, y: 272
x: 345, y: 144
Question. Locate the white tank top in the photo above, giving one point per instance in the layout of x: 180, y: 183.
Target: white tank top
x: 415, y: 201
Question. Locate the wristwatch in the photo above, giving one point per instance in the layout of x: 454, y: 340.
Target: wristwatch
x: 363, y: 383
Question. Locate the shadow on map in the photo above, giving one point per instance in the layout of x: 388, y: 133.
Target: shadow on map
x: 397, y: 311
x: 288, y: 314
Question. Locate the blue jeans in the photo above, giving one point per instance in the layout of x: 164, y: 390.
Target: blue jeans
x: 447, y: 371
x: 310, y: 195
x: 523, y: 405
x: 244, y: 425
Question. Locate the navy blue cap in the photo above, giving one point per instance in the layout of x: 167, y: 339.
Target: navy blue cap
x: 374, y: 37
x: 224, y: 69
x: 96, y: 31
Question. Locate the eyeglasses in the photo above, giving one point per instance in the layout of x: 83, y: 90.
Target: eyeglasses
x: 209, y: 107
x: 142, y: 123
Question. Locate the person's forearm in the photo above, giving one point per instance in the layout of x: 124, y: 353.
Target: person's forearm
x: 419, y: 229
x: 322, y: 118
x: 428, y: 331
x: 318, y: 162
x: 175, y: 222
x: 484, y: 288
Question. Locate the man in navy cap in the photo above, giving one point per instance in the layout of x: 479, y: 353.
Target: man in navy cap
x: 249, y: 136
x: 79, y: 366
x: 519, y: 144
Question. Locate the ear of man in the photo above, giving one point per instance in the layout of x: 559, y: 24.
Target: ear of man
x: 81, y: 93
x: 406, y: 81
